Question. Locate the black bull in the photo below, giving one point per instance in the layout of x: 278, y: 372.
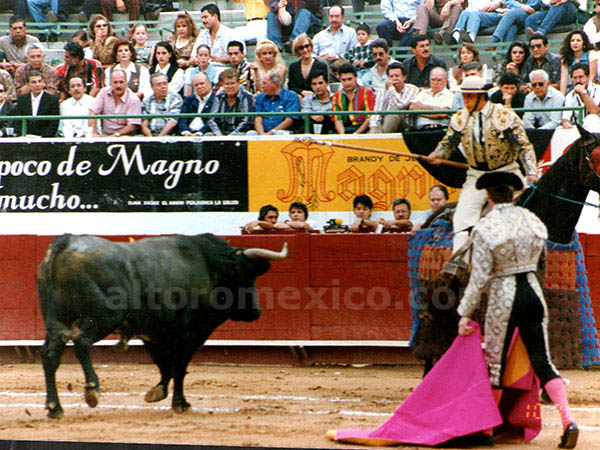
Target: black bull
x: 170, y: 291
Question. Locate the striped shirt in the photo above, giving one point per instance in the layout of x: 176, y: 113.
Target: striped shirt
x: 244, y: 103
x: 391, y: 99
x: 364, y: 100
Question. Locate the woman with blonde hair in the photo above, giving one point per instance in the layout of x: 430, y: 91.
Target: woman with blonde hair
x: 307, y: 66
x: 183, y: 39
x: 266, y: 58
x: 102, y: 39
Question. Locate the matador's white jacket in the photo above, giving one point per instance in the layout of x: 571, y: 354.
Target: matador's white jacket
x: 507, y: 241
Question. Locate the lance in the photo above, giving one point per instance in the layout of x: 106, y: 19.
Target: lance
x: 390, y: 152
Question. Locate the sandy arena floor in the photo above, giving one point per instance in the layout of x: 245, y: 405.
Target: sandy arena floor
x: 242, y: 405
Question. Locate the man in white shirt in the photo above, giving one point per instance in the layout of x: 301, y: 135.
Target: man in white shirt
x: 376, y: 77
x: 78, y: 104
x: 584, y: 93
x: 215, y: 35
x: 336, y: 40
x: 399, y: 17
x: 437, y: 98
x: 542, y: 96
x: 397, y: 97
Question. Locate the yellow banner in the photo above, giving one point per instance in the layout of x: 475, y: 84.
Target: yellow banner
x: 327, y: 179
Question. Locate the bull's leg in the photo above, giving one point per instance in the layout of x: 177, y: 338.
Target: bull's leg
x: 51, y: 353
x: 179, y: 370
x: 92, y: 385
x: 163, y: 361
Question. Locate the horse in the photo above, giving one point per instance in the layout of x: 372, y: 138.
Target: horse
x: 557, y: 199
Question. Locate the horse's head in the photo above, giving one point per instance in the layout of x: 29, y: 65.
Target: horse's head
x: 589, y: 160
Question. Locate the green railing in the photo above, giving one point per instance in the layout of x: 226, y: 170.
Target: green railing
x: 303, y: 114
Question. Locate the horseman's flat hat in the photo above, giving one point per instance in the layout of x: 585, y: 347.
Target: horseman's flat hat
x: 473, y: 84
x: 499, y: 178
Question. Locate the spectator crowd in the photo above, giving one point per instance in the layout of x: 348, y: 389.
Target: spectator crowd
x: 204, y: 69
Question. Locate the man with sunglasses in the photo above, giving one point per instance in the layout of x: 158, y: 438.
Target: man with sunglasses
x: 376, y: 78
x: 542, y: 59
x: 542, y: 96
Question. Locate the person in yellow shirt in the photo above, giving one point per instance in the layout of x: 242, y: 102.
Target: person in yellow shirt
x: 256, y: 15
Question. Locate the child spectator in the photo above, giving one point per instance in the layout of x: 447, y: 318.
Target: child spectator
x: 204, y: 65
x: 298, y: 218
x: 363, y: 207
x: 139, y: 38
x: 81, y: 38
x: 362, y: 55
x: 509, y: 94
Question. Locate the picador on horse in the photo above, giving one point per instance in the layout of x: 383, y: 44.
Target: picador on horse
x: 494, y: 142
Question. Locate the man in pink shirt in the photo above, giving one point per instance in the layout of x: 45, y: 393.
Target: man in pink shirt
x: 116, y: 99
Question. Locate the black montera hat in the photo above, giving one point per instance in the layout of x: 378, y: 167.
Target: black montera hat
x: 494, y: 179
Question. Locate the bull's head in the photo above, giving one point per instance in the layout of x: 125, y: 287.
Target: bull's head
x: 254, y: 262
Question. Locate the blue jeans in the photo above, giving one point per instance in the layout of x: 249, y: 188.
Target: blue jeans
x: 301, y: 22
x: 509, y: 25
x: 472, y: 21
x: 37, y: 7
x: 545, y: 21
x: 387, y: 30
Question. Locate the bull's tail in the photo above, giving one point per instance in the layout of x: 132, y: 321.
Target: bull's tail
x: 46, y: 294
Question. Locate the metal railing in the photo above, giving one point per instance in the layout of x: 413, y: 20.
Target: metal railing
x: 24, y: 119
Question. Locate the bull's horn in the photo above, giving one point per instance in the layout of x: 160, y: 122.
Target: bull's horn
x: 261, y: 253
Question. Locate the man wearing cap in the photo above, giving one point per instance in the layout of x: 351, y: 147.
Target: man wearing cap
x: 492, y: 138
x: 508, y: 246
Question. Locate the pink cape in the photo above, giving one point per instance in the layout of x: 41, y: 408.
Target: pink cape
x: 454, y: 399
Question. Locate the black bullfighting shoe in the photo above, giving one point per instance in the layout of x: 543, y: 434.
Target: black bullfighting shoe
x: 569, y: 437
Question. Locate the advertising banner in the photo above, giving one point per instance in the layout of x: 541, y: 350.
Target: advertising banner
x: 128, y: 176
x: 328, y: 178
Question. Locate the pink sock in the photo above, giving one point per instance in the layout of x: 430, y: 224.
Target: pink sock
x: 557, y: 393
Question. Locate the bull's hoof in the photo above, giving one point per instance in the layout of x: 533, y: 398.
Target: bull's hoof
x: 181, y: 407
x: 55, y: 411
x: 156, y: 394
x: 91, y: 397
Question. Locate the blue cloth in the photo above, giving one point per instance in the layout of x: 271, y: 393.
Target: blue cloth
x: 564, y: 14
x: 425, y: 236
x: 284, y: 101
x: 387, y: 30
x: 589, y: 333
x: 301, y: 21
x: 416, y: 242
x: 472, y: 21
x: 513, y: 20
x: 400, y: 9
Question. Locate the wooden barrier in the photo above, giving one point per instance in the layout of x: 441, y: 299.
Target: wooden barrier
x: 346, y: 289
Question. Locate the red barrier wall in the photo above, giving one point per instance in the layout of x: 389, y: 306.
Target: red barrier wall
x: 331, y: 287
